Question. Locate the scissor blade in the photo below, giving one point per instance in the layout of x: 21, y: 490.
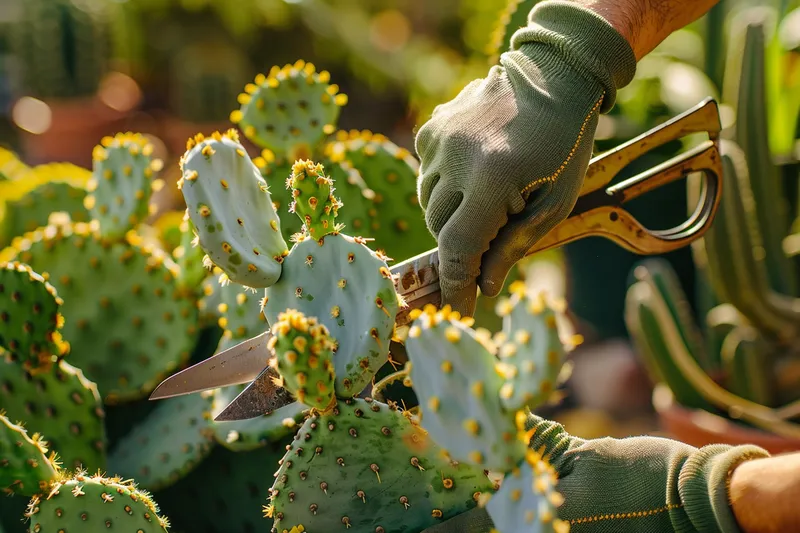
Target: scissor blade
x: 261, y: 397
x: 236, y: 365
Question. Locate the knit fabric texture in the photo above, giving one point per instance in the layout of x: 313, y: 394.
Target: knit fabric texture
x: 636, y: 484
x: 503, y: 162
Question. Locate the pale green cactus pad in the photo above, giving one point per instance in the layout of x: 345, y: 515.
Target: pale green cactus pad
x: 168, y: 444
x: 230, y: 206
x: 366, y: 466
x: 25, y: 466
x: 122, y: 182
x: 61, y: 404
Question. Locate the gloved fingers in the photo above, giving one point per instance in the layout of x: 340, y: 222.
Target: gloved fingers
x: 443, y: 202
x: 425, y: 186
x: 462, y: 240
x: 519, y: 234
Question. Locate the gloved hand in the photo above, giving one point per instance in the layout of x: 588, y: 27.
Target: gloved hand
x: 636, y: 484
x: 517, y: 143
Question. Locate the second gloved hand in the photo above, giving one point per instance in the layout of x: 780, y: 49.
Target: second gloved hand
x: 503, y: 162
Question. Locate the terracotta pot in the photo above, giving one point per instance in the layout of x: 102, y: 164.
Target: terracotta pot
x: 76, y: 126
x: 698, y: 428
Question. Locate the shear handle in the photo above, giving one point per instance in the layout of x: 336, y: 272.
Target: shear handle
x: 600, y: 213
x: 702, y: 118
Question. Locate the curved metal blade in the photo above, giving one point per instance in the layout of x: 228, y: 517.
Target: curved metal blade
x: 236, y: 365
x: 261, y: 397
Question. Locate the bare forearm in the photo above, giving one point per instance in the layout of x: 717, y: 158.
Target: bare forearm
x: 645, y: 23
x: 763, y: 494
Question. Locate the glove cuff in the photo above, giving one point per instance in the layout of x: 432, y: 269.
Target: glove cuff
x: 703, y: 485
x: 585, y: 40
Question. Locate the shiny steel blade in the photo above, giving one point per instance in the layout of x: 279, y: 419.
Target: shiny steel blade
x: 234, y: 366
x: 417, y: 281
x: 261, y: 397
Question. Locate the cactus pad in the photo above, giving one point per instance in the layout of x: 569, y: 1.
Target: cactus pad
x: 528, y: 500
x: 457, y: 380
x: 303, y: 351
x: 61, y: 404
x: 252, y: 433
x: 290, y: 110
x: 390, y: 172
x: 231, y: 208
x: 276, y: 172
x: 368, y: 467
x: 11, y: 167
x: 25, y: 467
x: 166, y: 445
x: 349, y: 288
x: 530, y: 349
x: 94, y: 503
x: 127, y: 324
x: 30, y: 317
x: 27, y: 204
x: 122, y: 182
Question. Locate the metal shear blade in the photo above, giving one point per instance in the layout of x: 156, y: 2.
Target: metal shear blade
x: 597, y: 212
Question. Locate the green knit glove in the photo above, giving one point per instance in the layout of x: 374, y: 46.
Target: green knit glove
x: 517, y: 143
x: 636, y: 484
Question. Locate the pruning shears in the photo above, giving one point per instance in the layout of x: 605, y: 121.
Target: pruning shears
x: 597, y: 212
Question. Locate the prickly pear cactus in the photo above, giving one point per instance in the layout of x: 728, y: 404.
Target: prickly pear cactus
x: 30, y: 318
x: 367, y: 466
x: 26, y: 464
x: 290, y: 110
x: 62, y: 404
x: 93, y: 503
x: 338, y: 280
x: 125, y: 167
x: 130, y: 322
x: 27, y: 204
x: 173, y: 440
x: 474, y: 393
x: 231, y: 208
x: 11, y: 167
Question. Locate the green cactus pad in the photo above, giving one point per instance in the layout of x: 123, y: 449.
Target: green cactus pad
x: 27, y: 204
x: 528, y: 500
x: 128, y: 324
x: 349, y: 288
x: 390, y: 172
x: 61, y: 404
x: 25, y: 467
x: 94, y: 503
x: 530, y: 349
x: 168, y: 229
x: 290, y: 110
x: 30, y: 317
x: 168, y: 444
x: 231, y: 208
x: 226, y: 493
x: 313, y: 200
x: 303, y: 354
x: 458, y: 383
x: 122, y: 182
x: 368, y: 467
x: 252, y: 433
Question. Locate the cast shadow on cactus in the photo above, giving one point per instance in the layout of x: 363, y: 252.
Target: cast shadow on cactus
x: 355, y: 462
